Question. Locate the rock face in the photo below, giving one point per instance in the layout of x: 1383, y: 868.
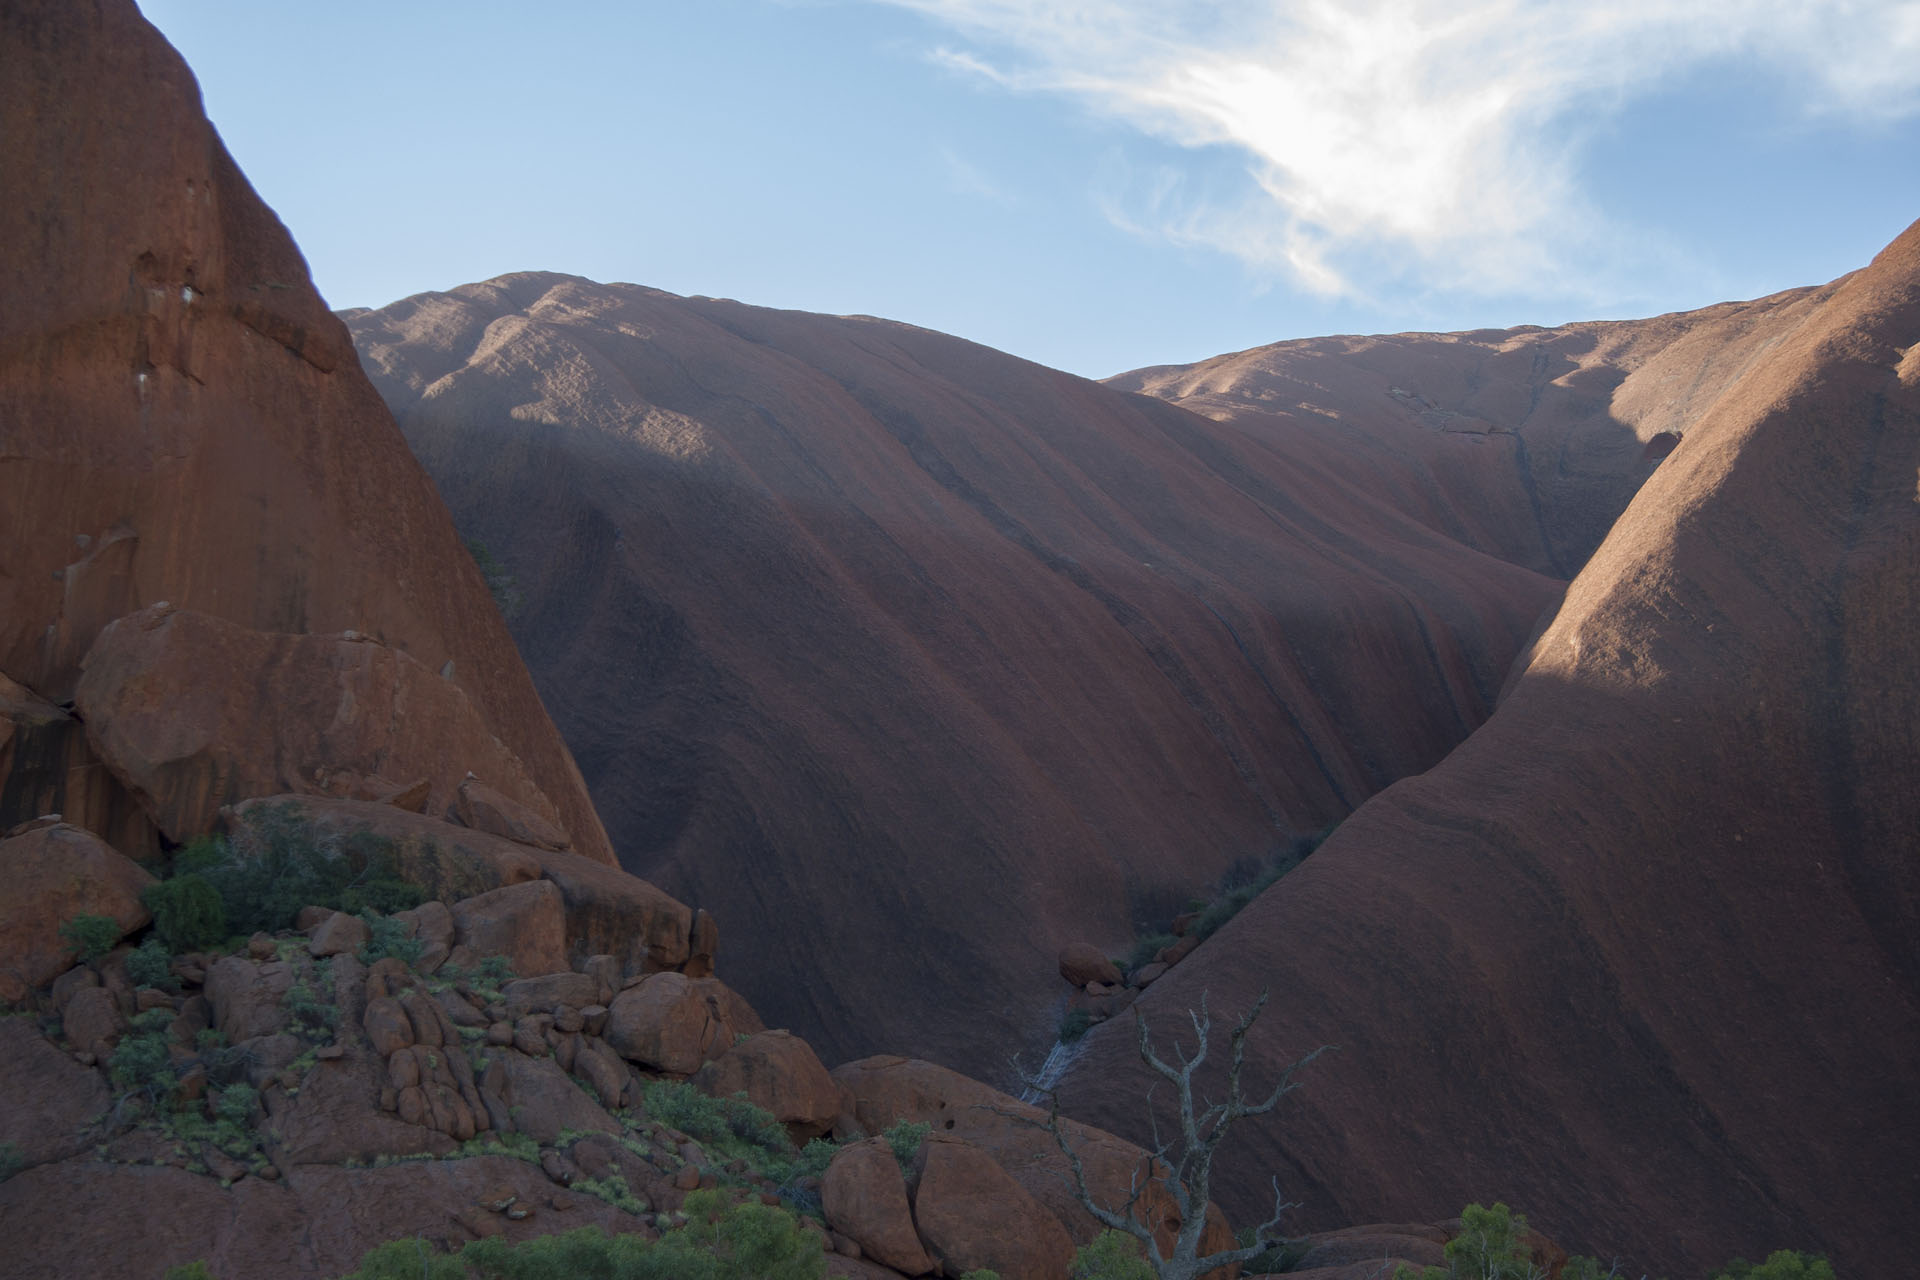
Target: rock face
x: 762, y: 552
x: 1639, y: 953
x: 185, y: 420
x: 341, y: 705
x: 50, y: 876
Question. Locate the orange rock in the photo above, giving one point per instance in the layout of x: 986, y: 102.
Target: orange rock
x: 972, y: 1215
x: 1082, y: 964
x: 524, y: 922
x: 779, y: 1073
x: 864, y: 1196
x: 185, y: 744
x: 670, y: 1022
x: 52, y: 875
x: 485, y: 809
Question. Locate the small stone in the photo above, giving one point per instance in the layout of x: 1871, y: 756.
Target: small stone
x: 567, y: 1019
x: 261, y: 947
x: 499, y: 1034
x: 687, y: 1178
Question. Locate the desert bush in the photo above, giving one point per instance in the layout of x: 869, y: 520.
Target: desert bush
x: 1781, y: 1264
x: 283, y: 864
x: 90, y: 936
x: 188, y: 914
x: 387, y: 937
x: 141, y: 1063
x: 1111, y: 1255
x: 189, y: 1271
x: 905, y: 1138
x: 1489, y: 1247
x: 1075, y: 1023
x: 149, y: 965
x: 731, y: 1125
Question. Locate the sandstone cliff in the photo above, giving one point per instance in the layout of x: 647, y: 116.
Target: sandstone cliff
x: 1640, y: 952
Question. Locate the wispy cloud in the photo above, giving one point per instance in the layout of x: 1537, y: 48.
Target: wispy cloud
x: 965, y: 178
x: 1440, y: 138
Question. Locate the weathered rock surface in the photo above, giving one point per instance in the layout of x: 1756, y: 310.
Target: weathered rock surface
x: 186, y: 422
x: 762, y: 551
x: 186, y: 745
x: 1638, y: 955
x: 864, y: 1195
x: 889, y: 1088
x: 780, y: 1073
x: 50, y: 1101
x: 47, y: 767
x: 670, y: 1022
x: 51, y: 875
x: 972, y: 1215
x: 1082, y: 963
x: 524, y: 922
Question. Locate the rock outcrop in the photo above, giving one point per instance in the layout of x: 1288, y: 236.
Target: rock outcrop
x: 1638, y: 955
x: 763, y: 552
x: 185, y: 421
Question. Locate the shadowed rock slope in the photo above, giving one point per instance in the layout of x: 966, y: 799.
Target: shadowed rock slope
x: 877, y: 643
x: 1639, y: 955
x: 182, y: 420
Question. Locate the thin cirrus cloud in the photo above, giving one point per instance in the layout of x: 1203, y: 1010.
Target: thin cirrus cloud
x: 1433, y: 144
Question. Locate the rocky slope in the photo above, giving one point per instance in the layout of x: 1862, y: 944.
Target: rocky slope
x: 869, y: 634
x: 185, y: 422
x: 1640, y: 952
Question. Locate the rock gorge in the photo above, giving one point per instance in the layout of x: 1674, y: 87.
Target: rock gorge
x: 901, y: 665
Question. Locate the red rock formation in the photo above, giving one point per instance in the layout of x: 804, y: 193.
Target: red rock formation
x: 184, y: 421
x: 1638, y: 956
x: 867, y: 633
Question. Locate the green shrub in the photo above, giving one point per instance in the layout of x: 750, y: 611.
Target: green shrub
x: 905, y: 1139
x: 412, y: 1259
x: 283, y: 864
x: 1782, y: 1264
x: 387, y: 937
x: 188, y: 914
x: 90, y: 936
x: 236, y: 1103
x: 1075, y: 1023
x: 734, y: 1126
x: 309, y: 1004
x: 500, y: 582
x: 614, y: 1190
x: 149, y: 965
x: 1111, y: 1255
x: 12, y: 1160
x: 189, y: 1271
x: 1145, y: 949
x: 1489, y: 1247
x: 141, y: 1062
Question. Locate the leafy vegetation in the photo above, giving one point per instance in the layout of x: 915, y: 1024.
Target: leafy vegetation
x: 1782, y: 1264
x: 1490, y: 1246
x: 90, y: 936
x: 388, y: 937
x: 1074, y: 1023
x: 500, y: 583
x: 149, y: 965
x: 12, y: 1160
x: 905, y: 1138
x: 732, y: 1126
x: 719, y: 1242
x: 1111, y: 1255
x: 189, y: 1271
x: 188, y: 913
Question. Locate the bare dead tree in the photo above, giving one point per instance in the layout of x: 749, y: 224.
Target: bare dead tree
x: 1189, y: 1170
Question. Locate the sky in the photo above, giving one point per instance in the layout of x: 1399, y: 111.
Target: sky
x: 1097, y: 185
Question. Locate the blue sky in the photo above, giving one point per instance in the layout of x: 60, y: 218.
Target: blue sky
x: 1094, y: 184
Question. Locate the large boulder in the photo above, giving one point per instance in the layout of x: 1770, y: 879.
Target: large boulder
x: 672, y: 1023
x: 50, y: 1102
x: 246, y: 996
x: 526, y: 923
x: 864, y: 1197
x: 972, y: 1215
x: 488, y: 809
x: 1082, y: 963
x: 52, y: 875
x: 172, y: 702
x: 779, y: 1073
x: 888, y: 1088
x: 46, y: 767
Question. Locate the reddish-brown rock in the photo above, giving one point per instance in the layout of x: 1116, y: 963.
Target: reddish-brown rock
x: 1082, y: 964
x: 51, y: 875
x: 973, y: 1216
x: 49, y: 1101
x: 186, y: 745
x: 47, y: 767
x: 246, y: 997
x: 673, y: 1023
x: 92, y: 1022
x: 780, y: 1074
x: 763, y: 551
x: 1638, y: 955
x: 162, y: 344
x: 887, y: 1089
x: 864, y: 1196
x: 486, y: 808
x: 524, y: 922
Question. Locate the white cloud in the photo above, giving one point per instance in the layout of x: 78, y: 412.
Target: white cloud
x: 1437, y: 137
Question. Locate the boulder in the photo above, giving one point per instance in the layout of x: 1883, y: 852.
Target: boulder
x: 542, y: 1101
x: 670, y: 1022
x: 52, y: 875
x: 186, y: 745
x: 549, y: 992
x: 341, y: 931
x: 612, y: 913
x: 1082, y: 963
x: 972, y: 1215
x: 864, y: 1196
x: 92, y: 1022
x: 524, y: 922
x: 430, y: 923
x: 66, y: 1099
x: 485, y: 809
x: 49, y: 774
x: 779, y: 1073
x: 245, y: 996
x: 887, y: 1089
